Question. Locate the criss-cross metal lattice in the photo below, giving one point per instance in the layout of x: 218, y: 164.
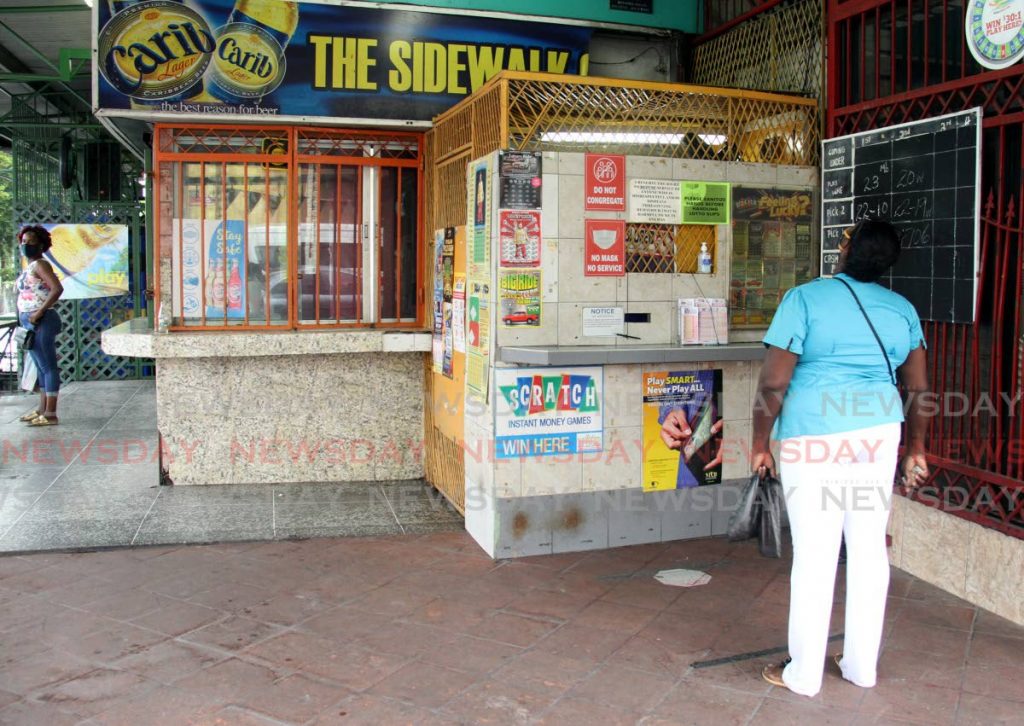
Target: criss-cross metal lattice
x: 778, y: 50
x: 666, y: 247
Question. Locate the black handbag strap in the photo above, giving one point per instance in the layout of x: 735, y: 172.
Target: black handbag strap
x: 888, y: 363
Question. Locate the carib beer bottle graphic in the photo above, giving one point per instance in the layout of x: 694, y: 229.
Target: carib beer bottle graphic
x: 155, y: 52
x: 249, y: 60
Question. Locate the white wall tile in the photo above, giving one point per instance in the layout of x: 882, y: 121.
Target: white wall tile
x: 798, y: 175
x: 699, y: 170
x: 736, y: 436
x: 549, y: 269
x: 752, y: 174
x: 549, y: 202
x: 662, y: 327
x: 573, y: 285
x: 570, y: 163
x: 623, y: 396
x: 650, y: 287
x: 619, y: 466
x: 736, y: 386
x: 552, y: 475
x: 685, y: 284
x: 570, y: 207
x: 645, y: 167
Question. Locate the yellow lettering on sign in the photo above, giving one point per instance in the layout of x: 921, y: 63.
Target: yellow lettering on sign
x: 516, y: 60
x: 557, y: 61
x: 456, y: 65
x: 400, y: 77
x: 320, y: 44
x: 484, y: 62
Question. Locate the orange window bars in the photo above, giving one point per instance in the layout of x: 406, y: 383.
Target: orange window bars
x: 263, y: 228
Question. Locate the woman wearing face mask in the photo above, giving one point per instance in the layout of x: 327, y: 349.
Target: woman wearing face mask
x: 38, y: 291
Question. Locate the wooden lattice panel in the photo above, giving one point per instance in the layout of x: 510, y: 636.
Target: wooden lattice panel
x: 444, y: 462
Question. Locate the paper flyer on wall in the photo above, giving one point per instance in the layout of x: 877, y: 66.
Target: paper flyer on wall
x: 437, y: 340
x: 520, y: 298
x: 694, y: 398
x: 478, y: 337
x: 548, y: 411
x: 459, y: 314
x: 519, y: 239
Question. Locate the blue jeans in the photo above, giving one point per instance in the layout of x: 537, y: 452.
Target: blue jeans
x: 44, y: 350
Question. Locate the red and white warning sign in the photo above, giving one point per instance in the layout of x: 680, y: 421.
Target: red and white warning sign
x: 605, y: 180
x: 605, y: 248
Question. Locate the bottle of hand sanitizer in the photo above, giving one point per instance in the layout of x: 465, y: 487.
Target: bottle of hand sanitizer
x: 704, y: 260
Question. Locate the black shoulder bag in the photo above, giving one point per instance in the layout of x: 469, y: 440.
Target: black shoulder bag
x: 25, y: 338
x: 888, y: 364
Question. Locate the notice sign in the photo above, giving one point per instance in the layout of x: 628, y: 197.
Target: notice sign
x: 605, y: 183
x: 655, y: 201
x: 705, y: 202
x: 519, y: 237
x: 548, y: 411
x: 603, y: 322
x: 605, y: 248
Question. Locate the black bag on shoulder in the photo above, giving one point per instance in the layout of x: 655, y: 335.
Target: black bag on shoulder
x: 25, y: 338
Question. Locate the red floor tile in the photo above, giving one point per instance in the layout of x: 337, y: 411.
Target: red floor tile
x: 424, y: 684
x: 701, y: 704
x: 472, y: 655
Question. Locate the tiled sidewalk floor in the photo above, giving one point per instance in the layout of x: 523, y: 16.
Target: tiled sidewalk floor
x: 428, y: 630
x: 93, y: 481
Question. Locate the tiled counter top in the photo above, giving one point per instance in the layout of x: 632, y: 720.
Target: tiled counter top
x: 137, y: 339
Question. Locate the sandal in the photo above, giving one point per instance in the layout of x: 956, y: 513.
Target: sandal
x: 43, y: 421
x: 773, y: 673
x: 837, y: 658
x: 31, y: 415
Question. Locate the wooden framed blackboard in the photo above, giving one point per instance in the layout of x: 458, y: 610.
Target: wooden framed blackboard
x: 924, y: 178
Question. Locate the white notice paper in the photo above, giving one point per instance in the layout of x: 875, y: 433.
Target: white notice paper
x: 603, y: 322
x: 655, y: 201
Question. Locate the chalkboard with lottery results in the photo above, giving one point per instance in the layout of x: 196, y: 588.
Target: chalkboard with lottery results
x: 923, y: 178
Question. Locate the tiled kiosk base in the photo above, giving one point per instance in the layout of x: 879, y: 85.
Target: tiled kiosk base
x: 284, y: 407
x: 973, y: 562
x: 557, y: 523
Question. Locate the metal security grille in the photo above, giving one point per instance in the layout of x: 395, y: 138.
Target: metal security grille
x: 898, y: 61
x: 779, y: 50
x: 667, y: 247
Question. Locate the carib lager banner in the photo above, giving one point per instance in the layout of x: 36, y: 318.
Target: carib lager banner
x: 278, y: 58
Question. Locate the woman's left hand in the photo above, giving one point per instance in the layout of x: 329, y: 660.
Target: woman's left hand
x: 914, y: 470
x: 36, y: 316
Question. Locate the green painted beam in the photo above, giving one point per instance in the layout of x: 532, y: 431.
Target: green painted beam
x: 46, y: 8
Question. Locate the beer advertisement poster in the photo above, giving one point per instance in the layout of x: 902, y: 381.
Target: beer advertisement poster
x: 519, y: 238
x: 692, y: 402
x: 90, y: 260
x: 548, y: 411
x: 520, y: 295
x: 210, y: 272
x: 278, y: 59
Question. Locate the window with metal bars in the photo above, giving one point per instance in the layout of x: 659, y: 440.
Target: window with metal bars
x: 286, y: 228
x: 666, y: 247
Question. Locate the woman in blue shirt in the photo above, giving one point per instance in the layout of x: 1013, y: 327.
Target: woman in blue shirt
x: 828, y: 386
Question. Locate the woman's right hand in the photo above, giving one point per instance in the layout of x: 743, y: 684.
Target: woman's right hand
x: 762, y: 463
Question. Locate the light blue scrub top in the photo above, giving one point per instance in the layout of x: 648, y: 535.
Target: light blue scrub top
x: 841, y: 382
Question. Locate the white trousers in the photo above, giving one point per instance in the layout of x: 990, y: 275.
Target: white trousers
x: 835, y: 485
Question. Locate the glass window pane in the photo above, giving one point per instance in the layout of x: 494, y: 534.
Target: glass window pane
x: 389, y: 212
x: 410, y: 232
